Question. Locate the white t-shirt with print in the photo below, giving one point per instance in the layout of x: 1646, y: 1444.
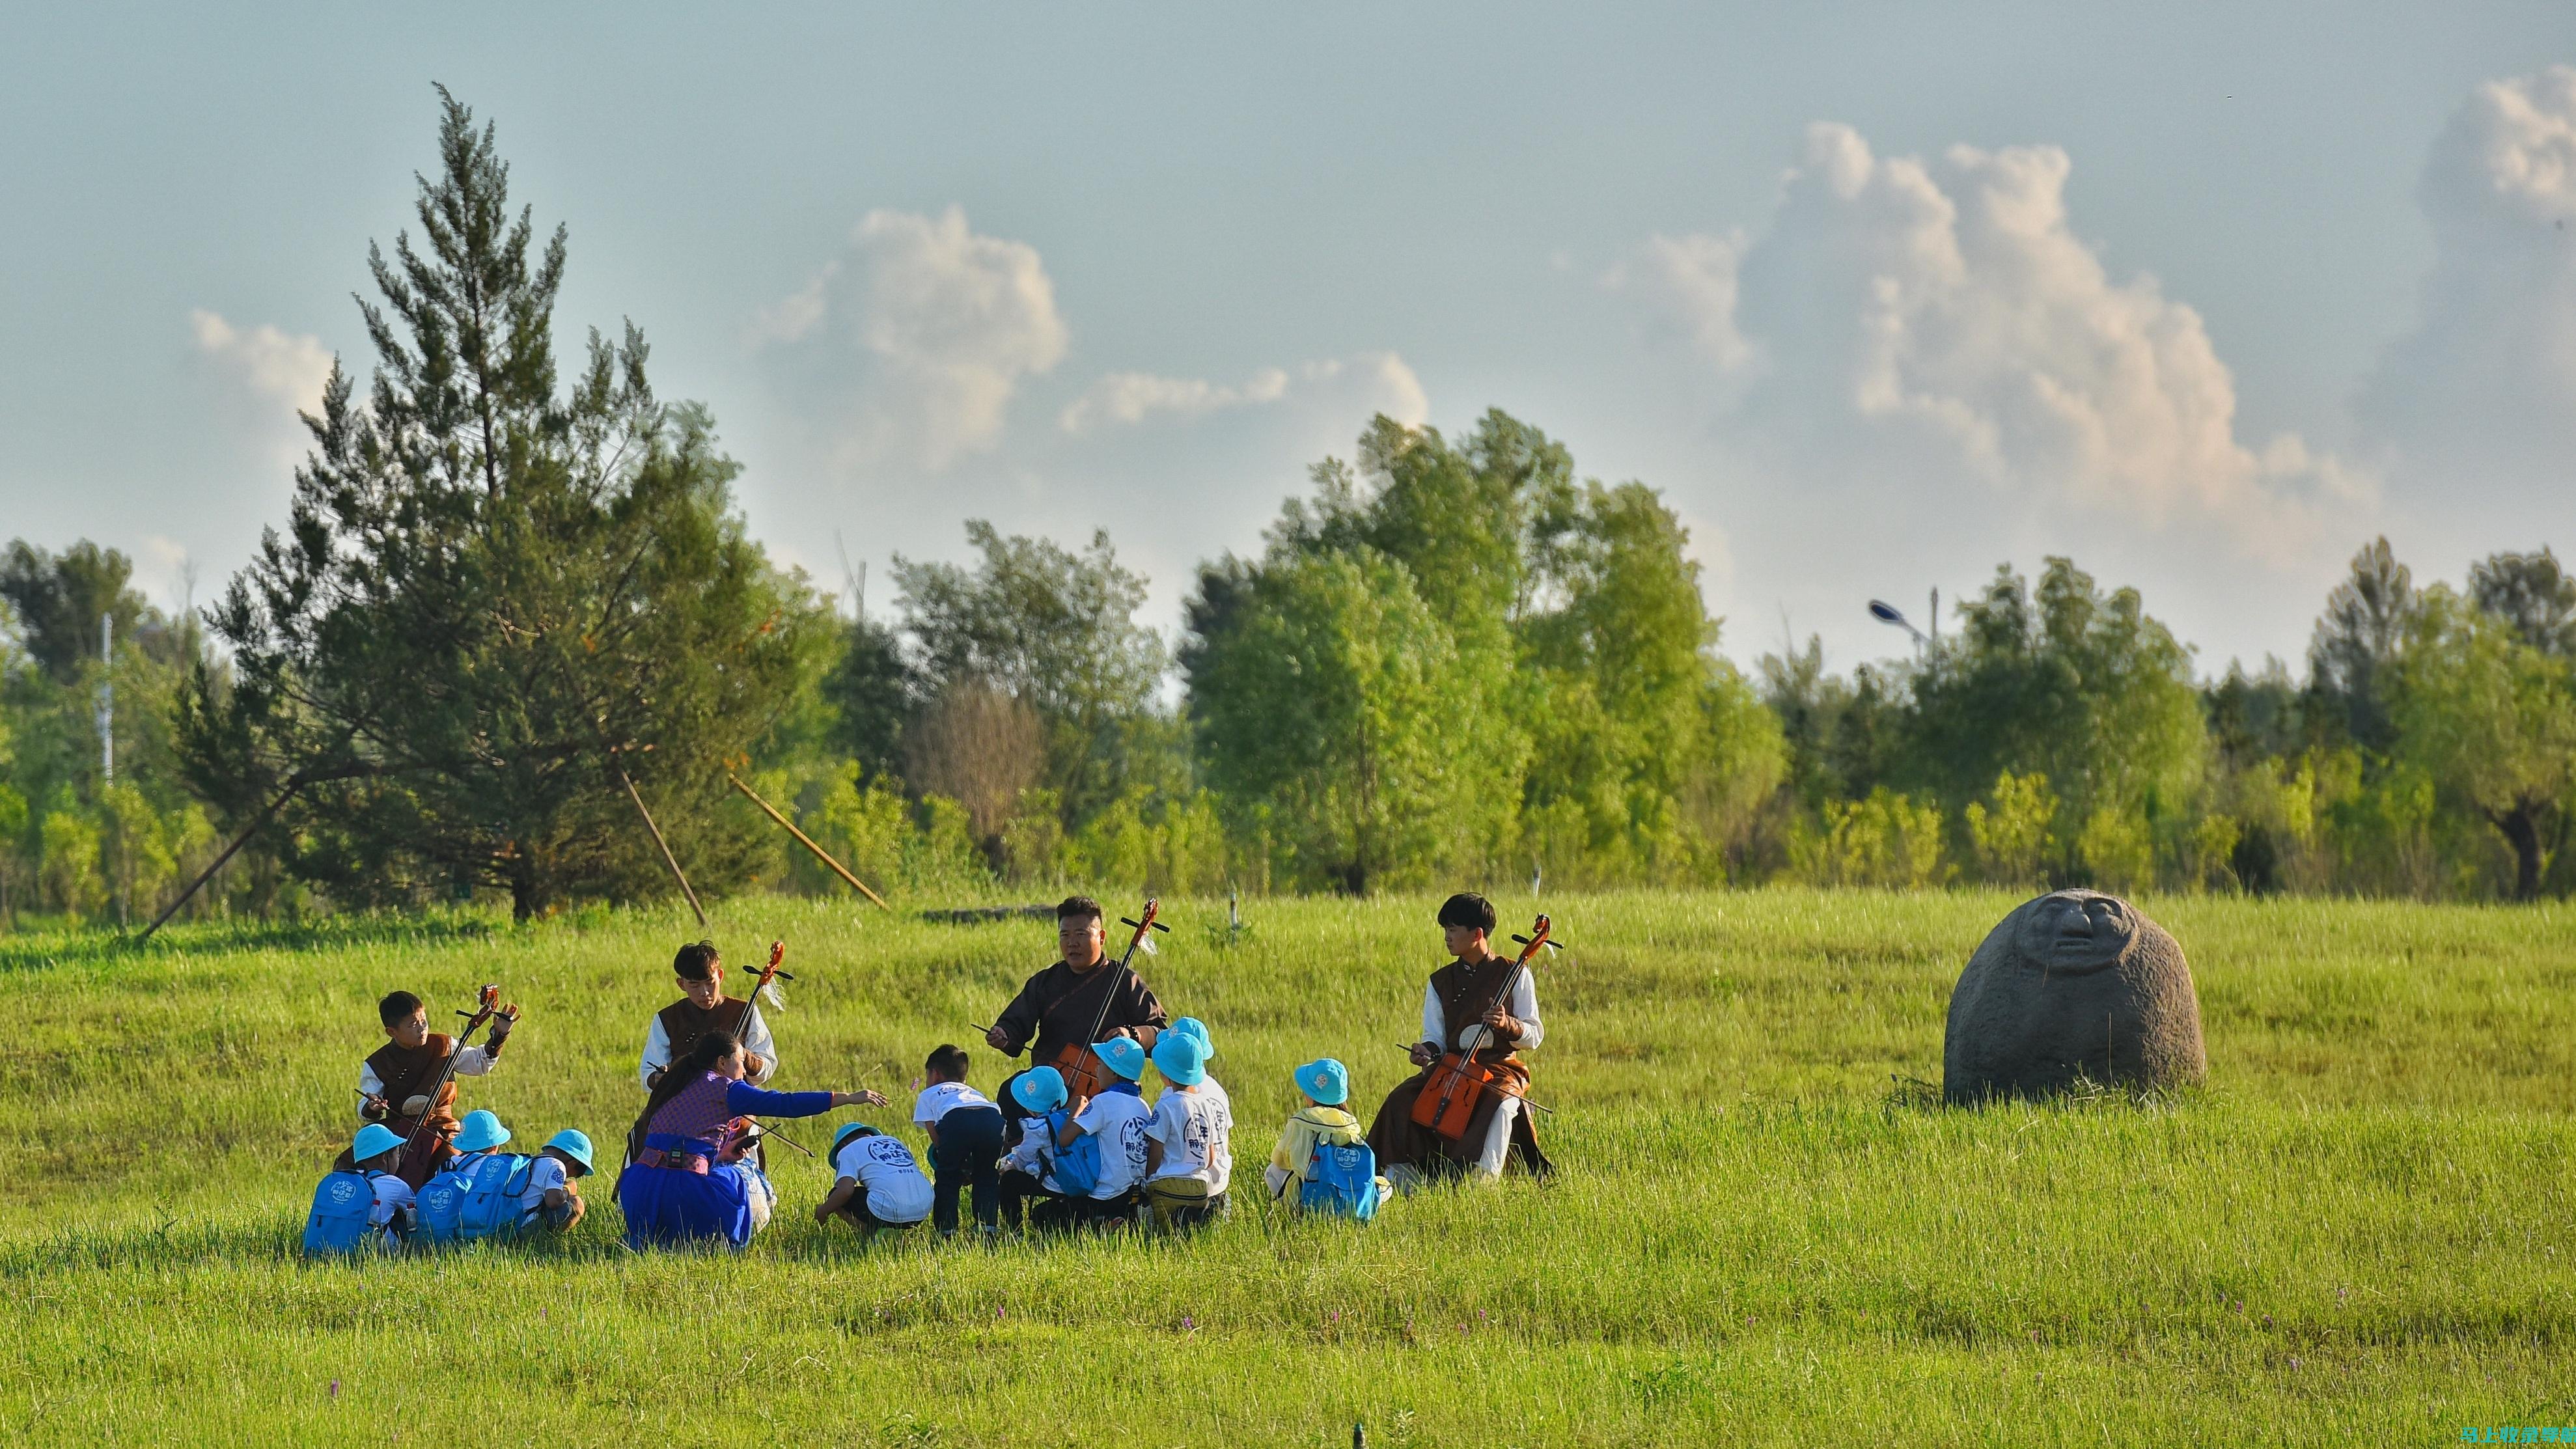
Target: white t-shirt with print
x: 897, y: 1192
x: 1035, y: 1152
x: 1196, y: 1132
x: 392, y: 1196
x: 543, y: 1173
x: 941, y: 1098
x: 1118, y: 1120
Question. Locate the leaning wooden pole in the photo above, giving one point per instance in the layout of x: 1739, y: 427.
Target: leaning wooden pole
x: 668, y: 858
x: 208, y: 873
x: 807, y: 841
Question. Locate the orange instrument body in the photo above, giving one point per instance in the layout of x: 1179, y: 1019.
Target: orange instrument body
x: 1457, y: 1083
x: 1083, y: 1071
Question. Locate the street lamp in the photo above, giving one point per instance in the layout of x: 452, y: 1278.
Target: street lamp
x: 1888, y: 614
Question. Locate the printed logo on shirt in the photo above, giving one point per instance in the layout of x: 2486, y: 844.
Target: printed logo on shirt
x: 888, y: 1151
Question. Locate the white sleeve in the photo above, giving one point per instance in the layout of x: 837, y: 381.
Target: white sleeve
x: 473, y: 1061
x: 755, y: 1039
x: 657, y: 1052
x: 1435, y: 1022
x: 1525, y: 1009
x: 368, y: 1083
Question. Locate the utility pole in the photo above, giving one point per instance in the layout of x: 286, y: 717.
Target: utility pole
x: 106, y: 700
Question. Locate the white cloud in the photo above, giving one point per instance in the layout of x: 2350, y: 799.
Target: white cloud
x: 1936, y: 325
x: 1372, y: 382
x: 2485, y: 386
x: 947, y: 321
x: 291, y: 369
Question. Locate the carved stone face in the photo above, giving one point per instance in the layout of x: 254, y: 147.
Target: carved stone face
x: 2074, y: 932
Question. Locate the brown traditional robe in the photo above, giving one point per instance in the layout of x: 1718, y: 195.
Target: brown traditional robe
x: 1058, y: 1005
x: 406, y: 1073
x: 1466, y: 993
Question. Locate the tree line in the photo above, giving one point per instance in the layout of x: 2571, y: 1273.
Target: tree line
x: 513, y: 611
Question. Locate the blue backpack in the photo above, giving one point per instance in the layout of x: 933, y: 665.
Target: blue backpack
x: 341, y: 1206
x: 1077, y: 1167
x: 1341, y: 1179
x: 440, y: 1207
x: 492, y: 1196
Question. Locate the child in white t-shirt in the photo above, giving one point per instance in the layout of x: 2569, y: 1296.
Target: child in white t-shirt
x: 877, y: 1186
x: 965, y: 1141
x: 1028, y: 1169
x: 390, y: 1221
x: 552, y: 1198
x: 1189, y: 1139
x: 1115, y: 1118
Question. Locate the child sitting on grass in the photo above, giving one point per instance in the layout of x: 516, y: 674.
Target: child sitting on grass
x: 1114, y: 1121
x: 366, y: 1206
x: 1189, y: 1138
x: 1028, y: 1169
x: 553, y: 1195
x: 879, y: 1186
x: 1325, y: 1084
x: 965, y: 1141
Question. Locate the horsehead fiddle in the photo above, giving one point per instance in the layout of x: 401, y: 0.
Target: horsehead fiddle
x: 763, y: 988
x: 1084, y: 1073
x: 1457, y: 1082
x: 487, y: 1005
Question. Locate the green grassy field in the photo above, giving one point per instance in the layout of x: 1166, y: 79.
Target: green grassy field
x: 2360, y: 1232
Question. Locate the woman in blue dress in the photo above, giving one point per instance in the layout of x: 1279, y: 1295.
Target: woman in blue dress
x: 687, y: 1185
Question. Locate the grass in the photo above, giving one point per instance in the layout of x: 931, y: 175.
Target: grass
x: 2359, y: 1231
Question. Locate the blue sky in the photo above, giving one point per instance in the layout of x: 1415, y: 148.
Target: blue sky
x: 1880, y: 297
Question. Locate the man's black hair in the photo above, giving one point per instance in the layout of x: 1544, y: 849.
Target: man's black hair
x: 1468, y: 909
x: 396, y: 1007
x: 696, y: 961
x: 1080, y: 906
x: 948, y: 1063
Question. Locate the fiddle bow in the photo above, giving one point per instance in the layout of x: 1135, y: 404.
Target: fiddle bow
x: 1457, y: 1082
x: 1084, y: 1073
x: 487, y: 1005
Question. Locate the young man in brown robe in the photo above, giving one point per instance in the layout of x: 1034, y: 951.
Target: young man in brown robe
x: 394, y: 1083
x: 1057, y: 1006
x: 703, y: 1007
x: 1467, y: 992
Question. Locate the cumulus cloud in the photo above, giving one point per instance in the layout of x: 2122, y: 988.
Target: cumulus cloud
x: 1372, y: 382
x: 289, y: 368
x: 2485, y: 384
x: 946, y: 321
x: 1938, y: 325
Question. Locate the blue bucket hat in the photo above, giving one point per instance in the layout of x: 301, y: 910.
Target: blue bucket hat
x: 573, y: 1143
x: 1122, y: 1056
x: 482, y: 1132
x: 1040, y: 1089
x: 1181, y: 1058
x: 1325, y: 1080
x: 374, y: 1140
x: 848, y: 1131
x: 1191, y: 1026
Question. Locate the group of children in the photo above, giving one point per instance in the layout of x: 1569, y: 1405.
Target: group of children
x: 1037, y: 1159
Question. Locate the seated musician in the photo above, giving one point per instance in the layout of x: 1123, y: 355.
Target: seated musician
x: 395, y: 1083
x: 1462, y: 994
x: 687, y: 1182
x: 1057, y: 1006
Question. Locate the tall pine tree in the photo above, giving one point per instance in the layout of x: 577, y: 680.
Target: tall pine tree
x: 496, y: 598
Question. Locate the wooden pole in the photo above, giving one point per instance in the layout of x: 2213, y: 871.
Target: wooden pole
x: 208, y: 873
x: 668, y: 858
x: 807, y: 841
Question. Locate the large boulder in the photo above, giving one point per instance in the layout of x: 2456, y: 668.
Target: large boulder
x: 2073, y: 984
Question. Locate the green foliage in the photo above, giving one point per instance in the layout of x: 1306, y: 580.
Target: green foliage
x: 1052, y: 629
x: 2490, y: 719
x: 2011, y: 835
x: 1884, y: 840
x: 1334, y: 701
x: 495, y: 600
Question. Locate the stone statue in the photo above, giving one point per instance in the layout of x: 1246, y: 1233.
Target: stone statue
x: 2075, y: 983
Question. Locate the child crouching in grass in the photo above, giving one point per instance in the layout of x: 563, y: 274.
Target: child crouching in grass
x: 553, y: 1195
x: 1322, y: 1153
